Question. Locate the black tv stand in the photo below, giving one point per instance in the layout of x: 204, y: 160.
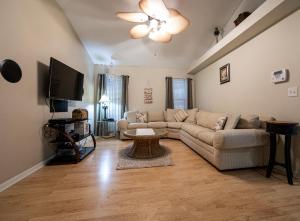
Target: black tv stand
x: 68, y: 147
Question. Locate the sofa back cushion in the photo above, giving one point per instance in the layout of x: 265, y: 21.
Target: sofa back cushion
x: 131, y: 116
x: 192, y: 116
x: 180, y: 115
x: 154, y: 116
x: 232, y: 121
x: 208, y: 119
x: 248, y: 121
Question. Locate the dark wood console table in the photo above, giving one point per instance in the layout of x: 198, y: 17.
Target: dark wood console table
x: 287, y: 129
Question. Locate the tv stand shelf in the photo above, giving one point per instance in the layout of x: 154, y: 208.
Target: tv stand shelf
x: 69, y: 148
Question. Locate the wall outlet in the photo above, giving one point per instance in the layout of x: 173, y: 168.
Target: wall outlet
x: 293, y: 91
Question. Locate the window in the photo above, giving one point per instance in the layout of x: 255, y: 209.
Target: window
x: 180, y: 93
x: 114, y: 92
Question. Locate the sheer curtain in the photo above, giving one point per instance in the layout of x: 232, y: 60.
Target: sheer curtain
x: 180, y: 93
x: 114, y: 92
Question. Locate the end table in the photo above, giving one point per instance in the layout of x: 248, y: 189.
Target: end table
x: 287, y: 129
x: 107, y: 128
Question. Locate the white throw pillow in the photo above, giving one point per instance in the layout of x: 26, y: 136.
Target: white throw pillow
x: 220, y: 123
x: 180, y: 115
x: 131, y: 116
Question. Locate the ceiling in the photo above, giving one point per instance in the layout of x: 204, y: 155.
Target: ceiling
x: 107, y: 38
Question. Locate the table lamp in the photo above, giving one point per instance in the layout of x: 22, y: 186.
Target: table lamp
x: 104, y: 102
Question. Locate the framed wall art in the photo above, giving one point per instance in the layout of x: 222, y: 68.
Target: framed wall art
x: 225, y: 73
x: 148, y: 96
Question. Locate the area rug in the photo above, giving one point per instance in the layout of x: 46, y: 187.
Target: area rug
x: 126, y: 162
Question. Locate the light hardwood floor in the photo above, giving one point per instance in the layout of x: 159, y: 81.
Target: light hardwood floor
x: 190, y: 190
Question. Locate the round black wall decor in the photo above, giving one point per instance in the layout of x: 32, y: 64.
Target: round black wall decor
x: 10, y: 70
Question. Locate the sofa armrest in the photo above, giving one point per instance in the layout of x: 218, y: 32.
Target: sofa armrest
x: 122, y: 124
x: 239, y: 138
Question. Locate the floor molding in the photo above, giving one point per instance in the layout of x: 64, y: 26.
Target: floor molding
x: 24, y: 174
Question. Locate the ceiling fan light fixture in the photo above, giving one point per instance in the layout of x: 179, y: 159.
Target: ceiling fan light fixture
x: 160, y: 36
x: 133, y: 16
x: 155, y: 9
x: 162, y: 22
x: 139, y: 31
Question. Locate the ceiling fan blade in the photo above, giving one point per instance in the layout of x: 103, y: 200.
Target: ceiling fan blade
x: 139, y: 31
x: 155, y: 9
x: 133, y: 16
x: 176, y: 22
x: 160, y: 36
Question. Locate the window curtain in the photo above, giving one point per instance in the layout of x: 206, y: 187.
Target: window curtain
x: 169, y: 93
x: 180, y: 93
x: 124, y: 101
x: 190, y: 103
x: 114, y: 92
x: 100, y: 90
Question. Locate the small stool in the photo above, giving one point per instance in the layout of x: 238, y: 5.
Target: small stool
x: 288, y: 129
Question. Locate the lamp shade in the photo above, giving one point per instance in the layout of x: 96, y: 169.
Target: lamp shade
x: 104, y: 98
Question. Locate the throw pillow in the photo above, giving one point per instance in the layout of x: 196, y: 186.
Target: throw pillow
x: 170, y: 115
x: 131, y: 116
x: 220, y: 123
x: 192, y: 115
x: 141, y: 117
x: 232, y: 121
x: 180, y: 115
x: 248, y: 122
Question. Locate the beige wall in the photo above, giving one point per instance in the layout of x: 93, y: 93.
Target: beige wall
x: 31, y: 32
x: 143, y: 77
x: 250, y: 89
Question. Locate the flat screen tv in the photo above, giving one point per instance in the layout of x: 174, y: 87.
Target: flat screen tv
x: 65, y: 83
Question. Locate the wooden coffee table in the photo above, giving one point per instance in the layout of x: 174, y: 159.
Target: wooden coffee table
x: 145, y: 146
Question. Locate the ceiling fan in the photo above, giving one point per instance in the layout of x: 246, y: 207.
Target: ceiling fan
x: 160, y: 22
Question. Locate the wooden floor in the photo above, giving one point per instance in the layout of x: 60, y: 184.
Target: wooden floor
x: 190, y: 190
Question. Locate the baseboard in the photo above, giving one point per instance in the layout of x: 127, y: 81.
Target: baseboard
x: 20, y: 176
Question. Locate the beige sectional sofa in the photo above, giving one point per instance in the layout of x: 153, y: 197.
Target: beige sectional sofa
x: 242, y: 143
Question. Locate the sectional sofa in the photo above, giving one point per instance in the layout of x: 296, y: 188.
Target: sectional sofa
x: 241, y: 142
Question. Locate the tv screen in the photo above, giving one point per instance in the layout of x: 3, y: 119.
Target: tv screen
x: 65, y: 82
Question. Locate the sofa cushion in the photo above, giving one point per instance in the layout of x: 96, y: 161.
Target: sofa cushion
x: 248, y: 121
x: 158, y: 124
x: 220, y: 123
x: 131, y: 116
x: 175, y: 125
x: 137, y: 125
x: 170, y: 115
x: 232, y: 121
x: 155, y: 116
x: 208, y: 119
x: 180, y: 115
x: 192, y: 115
x: 207, y: 137
x: 193, y: 130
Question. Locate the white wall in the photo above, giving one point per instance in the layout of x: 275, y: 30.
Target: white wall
x: 250, y: 89
x: 31, y: 32
x: 143, y: 77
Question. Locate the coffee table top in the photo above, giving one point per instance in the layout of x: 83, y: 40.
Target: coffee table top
x: 134, y: 135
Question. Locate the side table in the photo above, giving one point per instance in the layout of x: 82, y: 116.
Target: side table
x: 107, y: 128
x: 287, y: 129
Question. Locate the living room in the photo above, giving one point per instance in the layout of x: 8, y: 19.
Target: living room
x: 232, y: 67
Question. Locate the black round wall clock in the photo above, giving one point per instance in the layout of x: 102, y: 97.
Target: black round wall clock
x: 10, y: 70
